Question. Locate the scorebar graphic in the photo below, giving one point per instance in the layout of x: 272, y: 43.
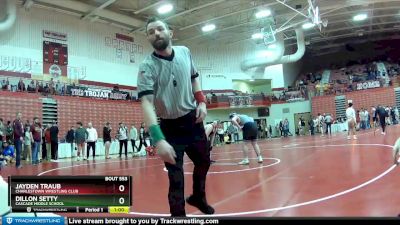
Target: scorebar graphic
x: 88, y: 194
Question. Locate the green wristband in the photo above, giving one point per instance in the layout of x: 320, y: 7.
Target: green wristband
x: 156, y: 133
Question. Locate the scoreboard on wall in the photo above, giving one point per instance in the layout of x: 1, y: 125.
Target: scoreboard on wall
x: 55, y: 58
x: 79, y: 194
x: 55, y: 53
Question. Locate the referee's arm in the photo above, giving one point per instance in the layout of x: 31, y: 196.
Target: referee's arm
x: 201, y: 110
x: 165, y: 150
x: 195, y: 83
x: 149, y: 114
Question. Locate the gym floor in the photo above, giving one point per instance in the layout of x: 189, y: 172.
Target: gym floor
x: 308, y: 176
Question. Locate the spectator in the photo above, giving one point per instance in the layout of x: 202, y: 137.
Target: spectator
x: 18, y: 129
x: 328, y: 121
x: 54, y: 140
x: 7, y: 85
x: 270, y: 131
x: 48, y: 142
x: 81, y: 135
x: 40, y: 87
x: 21, y: 85
x: 36, y: 136
x: 123, y: 139
x: 285, y: 127
x: 220, y: 132
x: 107, y: 139
x: 9, y: 132
x: 46, y: 89
x: 302, y: 125
x: 231, y: 130
x: 44, y: 143
x: 3, y: 84
x: 2, y: 133
x: 311, y: 125
x: 91, y: 140
x: 52, y: 87
x: 70, y: 138
x: 133, y: 135
x: 236, y: 134
x: 142, y: 137
x: 27, y: 144
x: 8, y: 155
x: 31, y: 86
x: 37, y: 86
x: 58, y: 88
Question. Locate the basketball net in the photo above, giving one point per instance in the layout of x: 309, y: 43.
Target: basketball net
x: 268, y: 35
x: 314, y: 15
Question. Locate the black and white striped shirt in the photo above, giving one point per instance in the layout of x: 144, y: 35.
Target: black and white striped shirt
x: 169, y: 80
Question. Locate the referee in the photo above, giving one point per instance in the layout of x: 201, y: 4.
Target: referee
x: 168, y: 82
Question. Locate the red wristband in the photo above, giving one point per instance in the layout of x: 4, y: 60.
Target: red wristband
x: 199, y: 97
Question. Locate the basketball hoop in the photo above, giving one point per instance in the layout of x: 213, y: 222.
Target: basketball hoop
x: 268, y: 35
x: 314, y: 15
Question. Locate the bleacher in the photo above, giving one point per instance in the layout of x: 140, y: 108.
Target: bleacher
x: 346, y: 79
x: 13, y: 81
x: 71, y: 110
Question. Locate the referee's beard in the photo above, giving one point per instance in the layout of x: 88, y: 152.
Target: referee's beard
x: 160, y: 44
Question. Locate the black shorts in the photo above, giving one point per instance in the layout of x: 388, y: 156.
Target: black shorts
x: 375, y: 119
x: 250, y: 131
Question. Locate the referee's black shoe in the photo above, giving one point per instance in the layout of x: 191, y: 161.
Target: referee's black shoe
x: 201, y: 204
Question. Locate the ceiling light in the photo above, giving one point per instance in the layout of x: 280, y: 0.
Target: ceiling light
x: 308, y: 25
x: 263, y: 13
x: 208, y: 27
x: 257, y: 36
x: 360, y: 17
x: 251, y: 80
x: 165, y: 8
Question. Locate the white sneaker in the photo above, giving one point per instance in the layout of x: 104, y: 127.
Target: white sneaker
x: 383, y: 133
x: 260, y: 159
x: 354, y: 137
x: 348, y: 137
x: 78, y: 158
x: 244, y: 162
x: 84, y: 158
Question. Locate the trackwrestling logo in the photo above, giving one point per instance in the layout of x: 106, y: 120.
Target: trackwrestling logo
x: 33, y: 220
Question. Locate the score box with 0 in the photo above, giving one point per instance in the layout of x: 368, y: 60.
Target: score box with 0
x: 88, y: 191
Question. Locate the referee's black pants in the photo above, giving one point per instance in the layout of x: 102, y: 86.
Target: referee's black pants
x: 186, y: 136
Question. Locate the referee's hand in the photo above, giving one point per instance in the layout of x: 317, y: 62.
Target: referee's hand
x: 201, y: 112
x: 166, y: 152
